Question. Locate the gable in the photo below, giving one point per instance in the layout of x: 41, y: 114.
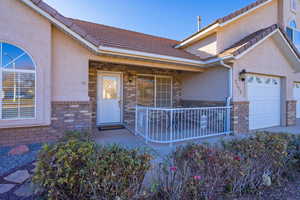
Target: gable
x: 250, y: 10
x: 266, y: 58
x: 238, y: 29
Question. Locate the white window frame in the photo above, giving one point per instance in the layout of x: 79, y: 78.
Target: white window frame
x: 294, y: 29
x: 155, y: 88
x: 293, y: 5
x: 18, y: 70
x: 1, y: 88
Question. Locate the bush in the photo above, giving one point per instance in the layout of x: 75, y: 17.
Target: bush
x: 200, y: 172
x: 269, y: 156
x: 78, y: 169
x: 294, y: 152
x: 238, y: 167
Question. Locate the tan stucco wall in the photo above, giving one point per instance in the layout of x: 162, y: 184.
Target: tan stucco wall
x: 211, y: 85
x: 266, y: 59
x: 70, y: 68
x: 26, y: 29
x: 205, y: 48
x: 256, y: 20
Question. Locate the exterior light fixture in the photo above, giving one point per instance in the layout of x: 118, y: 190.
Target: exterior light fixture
x: 130, y: 77
x: 243, y: 75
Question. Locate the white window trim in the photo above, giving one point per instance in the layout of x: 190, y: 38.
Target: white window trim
x: 23, y: 71
x: 1, y: 89
x: 155, y: 89
x: 293, y: 29
x: 292, y: 3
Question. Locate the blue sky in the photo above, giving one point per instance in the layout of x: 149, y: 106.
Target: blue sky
x: 175, y: 19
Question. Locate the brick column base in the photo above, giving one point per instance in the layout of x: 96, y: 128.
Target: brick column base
x: 65, y: 116
x: 291, y: 112
x: 240, y: 117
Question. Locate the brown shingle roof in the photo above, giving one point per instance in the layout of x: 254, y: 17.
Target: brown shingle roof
x: 125, y: 39
x: 252, y: 39
x: 98, y: 34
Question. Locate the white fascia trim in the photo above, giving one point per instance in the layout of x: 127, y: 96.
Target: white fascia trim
x: 258, y: 43
x: 113, y: 50
x: 200, y: 34
x: 255, y: 45
x: 241, y: 15
x: 59, y: 24
x: 103, y: 49
x: 287, y: 43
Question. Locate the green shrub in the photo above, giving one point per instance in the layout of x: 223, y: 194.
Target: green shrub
x: 78, y: 169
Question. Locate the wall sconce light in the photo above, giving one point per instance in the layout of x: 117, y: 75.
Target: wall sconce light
x: 130, y: 77
x: 243, y: 75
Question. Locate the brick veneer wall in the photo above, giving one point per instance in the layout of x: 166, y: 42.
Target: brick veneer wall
x: 240, y: 117
x: 195, y: 103
x: 65, y: 116
x: 129, y: 87
x: 291, y: 113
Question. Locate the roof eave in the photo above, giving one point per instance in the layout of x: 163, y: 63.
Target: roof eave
x: 285, y: 45
x: 213, y: 27
x: 117, y: 51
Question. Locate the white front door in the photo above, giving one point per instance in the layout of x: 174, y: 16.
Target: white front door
x: 109, y: 96
x: 297, y: 98
x: 265, y: 101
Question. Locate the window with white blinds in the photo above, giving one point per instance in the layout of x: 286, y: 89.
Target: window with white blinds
x: 17, y: 83
x: 154, y: 91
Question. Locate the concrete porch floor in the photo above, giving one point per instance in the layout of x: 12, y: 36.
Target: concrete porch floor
x: 127, y: 139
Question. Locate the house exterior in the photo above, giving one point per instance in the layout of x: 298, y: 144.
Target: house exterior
x: 59, y: 74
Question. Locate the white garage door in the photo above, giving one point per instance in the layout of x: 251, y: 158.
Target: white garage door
x: 264, y: 97
x: 297, y: 97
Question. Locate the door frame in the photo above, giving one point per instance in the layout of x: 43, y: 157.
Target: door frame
x: 99, y: 73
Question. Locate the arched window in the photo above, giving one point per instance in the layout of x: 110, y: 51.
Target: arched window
x: 294, y: 33
x: 17, y: 83
x: 293, y: 24
x: 294, y: 5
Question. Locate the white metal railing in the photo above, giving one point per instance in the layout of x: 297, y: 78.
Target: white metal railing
x: 169, y: 125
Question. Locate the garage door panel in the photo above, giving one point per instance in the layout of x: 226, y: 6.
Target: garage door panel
x: 264, y: 97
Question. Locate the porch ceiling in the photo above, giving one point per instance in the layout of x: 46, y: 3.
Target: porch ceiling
x: 142, y: 62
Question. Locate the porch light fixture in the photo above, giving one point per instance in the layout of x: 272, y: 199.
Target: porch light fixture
x: 130, y: 77
x: 242, y: 75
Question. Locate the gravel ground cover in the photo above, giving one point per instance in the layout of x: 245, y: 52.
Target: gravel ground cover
x: 9, y: 162
x: 12, y: 194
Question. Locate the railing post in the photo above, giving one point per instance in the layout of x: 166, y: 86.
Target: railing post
x: 228, y: 109
x: 147, y: 125
x: 136, y: 120
x: 171, y: 128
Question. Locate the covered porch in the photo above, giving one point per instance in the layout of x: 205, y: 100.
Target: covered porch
x: 160, y: 105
